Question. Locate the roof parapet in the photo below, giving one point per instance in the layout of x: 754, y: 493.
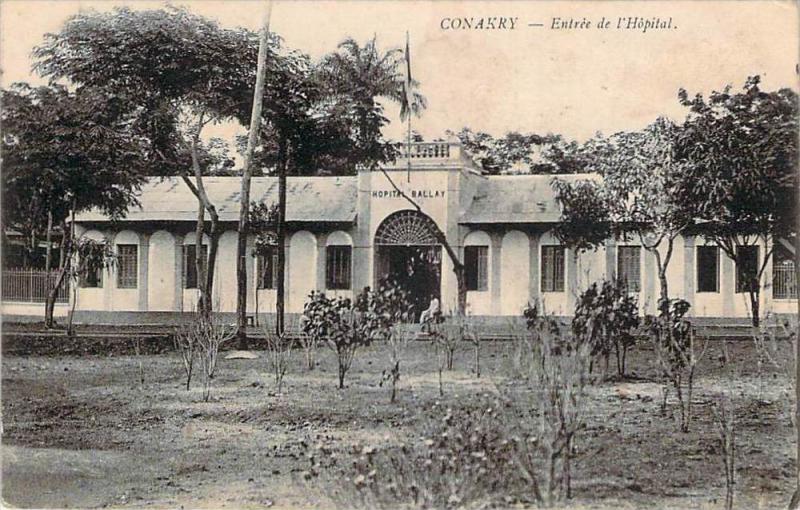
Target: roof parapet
x: 431, y: 156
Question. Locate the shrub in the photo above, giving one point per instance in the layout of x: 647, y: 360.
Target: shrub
x: 462, y: 459
x: 607, y: 316
x: 279, y: 351
x: 340, y: 324
x: 185, y: 340
x: 210, y: 334
x: 548, y: 394
x: 676, y: 352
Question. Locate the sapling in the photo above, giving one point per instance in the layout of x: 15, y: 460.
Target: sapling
x: 726, y: 424
x: 279, y: 350
x: 548, y: 402
x: 211, y: 334
x: 676, y: 349
x: 185, y: 341
x: 340, y: 324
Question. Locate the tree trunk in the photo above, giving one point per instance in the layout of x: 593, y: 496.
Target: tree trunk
x: 247, y: 172
x: 50, y: 302
x: 200, y: 259
x: 281, y: 235
x: 795, y: 502
x: 49, y: 306
x: 211, y: 265
x: 49, y: 249
x: 755, y: 306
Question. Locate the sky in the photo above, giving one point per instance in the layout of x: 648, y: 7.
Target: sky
x: 532, y: 78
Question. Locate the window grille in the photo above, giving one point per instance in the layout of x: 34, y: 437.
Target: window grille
x: 552, y: 268
x: 784, y: 277
x: 127, y: 266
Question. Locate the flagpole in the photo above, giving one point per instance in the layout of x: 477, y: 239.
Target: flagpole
x: 408, y: 109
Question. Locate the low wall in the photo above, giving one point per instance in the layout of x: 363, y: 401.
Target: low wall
x: 30, y: 312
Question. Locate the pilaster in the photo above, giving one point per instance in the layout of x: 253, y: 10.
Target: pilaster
x: 144, y: 262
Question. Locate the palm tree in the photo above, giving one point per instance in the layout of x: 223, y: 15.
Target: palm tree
x: 361, y: 76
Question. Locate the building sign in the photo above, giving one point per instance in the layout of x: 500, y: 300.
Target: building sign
x: 414, y: 193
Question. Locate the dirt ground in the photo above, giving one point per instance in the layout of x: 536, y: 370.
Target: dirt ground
x: 83, y: 432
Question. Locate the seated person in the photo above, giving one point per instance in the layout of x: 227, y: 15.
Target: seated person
x: 431, y: 312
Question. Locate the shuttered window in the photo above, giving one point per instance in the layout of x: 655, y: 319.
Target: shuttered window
x: 629, y: 267
x: 552, y: 269
x: 476, y: 267
x: 337, y: 267
x: 268, y: 268
x: 127, y: 266
x: 707, y: 269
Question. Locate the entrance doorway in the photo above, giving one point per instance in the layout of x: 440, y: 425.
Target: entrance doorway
x: 406, y: 250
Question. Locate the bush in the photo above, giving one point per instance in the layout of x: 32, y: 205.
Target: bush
x: 340, y: 324
x: 385, y: 310
x: 607, y: 316
x: 279, y: 352
x: 463, y: 459
x: 676, y: 352
x: 549, y: 397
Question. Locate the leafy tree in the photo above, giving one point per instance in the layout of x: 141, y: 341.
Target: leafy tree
x: 539, y: 154
x: 179, y: 72
x: 66, y: 151
x: 638, y: 196
x: 740, y: 151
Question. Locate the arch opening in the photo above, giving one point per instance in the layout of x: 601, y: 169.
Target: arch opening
x: 407, y: 251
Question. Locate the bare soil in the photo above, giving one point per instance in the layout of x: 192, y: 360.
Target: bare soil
x: 82, y: 431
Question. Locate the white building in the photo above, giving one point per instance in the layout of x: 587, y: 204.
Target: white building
x: 344, y: 233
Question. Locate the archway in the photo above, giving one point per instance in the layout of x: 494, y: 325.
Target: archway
x: 407, y: 251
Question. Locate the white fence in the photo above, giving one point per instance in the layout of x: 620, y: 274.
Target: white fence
x: 32, y: 286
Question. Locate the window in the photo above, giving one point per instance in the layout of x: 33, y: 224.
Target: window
x: 127, y: 264
x: 784, y: 278
x: 746, y: 268
x: 707, y: 269
x: 337, y: 267
x: 629, y: 267
x: 92, y: 278
x: 552, y: 269
x: 476, y: 262
x: 268, y: 268
x: 190, y: 265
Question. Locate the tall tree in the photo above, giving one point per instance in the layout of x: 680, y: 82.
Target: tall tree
x: 244, y: 201
x: 181, y: 72
x: 66, y: 151
x: 638, y: 196
x: 740, y: 154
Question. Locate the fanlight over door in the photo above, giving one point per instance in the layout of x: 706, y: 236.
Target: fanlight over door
x: 407, y: 228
